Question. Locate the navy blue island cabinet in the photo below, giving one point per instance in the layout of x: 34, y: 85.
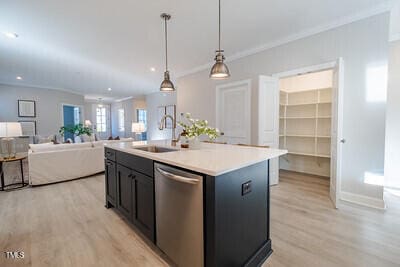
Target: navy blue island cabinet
x: 235, y: 207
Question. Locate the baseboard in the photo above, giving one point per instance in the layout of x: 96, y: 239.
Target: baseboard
x: 370, y: 202
x: 260, y: 256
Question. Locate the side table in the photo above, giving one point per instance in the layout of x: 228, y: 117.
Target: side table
x: 20, y: 158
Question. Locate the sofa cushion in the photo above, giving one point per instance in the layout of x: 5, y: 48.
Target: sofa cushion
x: 38, y: 139
x: 52, y: 147
x: 41, y: 147
x: 86, y: 138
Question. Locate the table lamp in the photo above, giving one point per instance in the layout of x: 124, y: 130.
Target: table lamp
x: 9, y: 130
x: 138, y: 128
x: 88, y: 123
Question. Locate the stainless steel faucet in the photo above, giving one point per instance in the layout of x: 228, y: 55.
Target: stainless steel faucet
x: 161, y: 127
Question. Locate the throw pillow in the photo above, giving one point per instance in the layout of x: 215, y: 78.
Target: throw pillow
x: 86, y: 138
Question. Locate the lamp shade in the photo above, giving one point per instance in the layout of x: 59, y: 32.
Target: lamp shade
x: 138, y: 127
x: 88, y: 123
x: 219, y: 70
x: 10, y: 129
x: 167, y: 85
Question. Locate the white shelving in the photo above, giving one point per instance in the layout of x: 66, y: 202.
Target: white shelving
x: 305, y: 122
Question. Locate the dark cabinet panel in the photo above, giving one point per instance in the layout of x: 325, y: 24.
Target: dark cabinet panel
x: 111, y: 182
x: 139, y: 164
x: 109, y: 154
x: 124, y: 188
x: 143, y: 201
x: 237, y: 217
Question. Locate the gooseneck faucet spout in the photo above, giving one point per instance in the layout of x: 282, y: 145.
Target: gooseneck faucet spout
x: 162, y: 126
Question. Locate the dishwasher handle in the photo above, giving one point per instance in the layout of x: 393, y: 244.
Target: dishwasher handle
x: 178, y: 177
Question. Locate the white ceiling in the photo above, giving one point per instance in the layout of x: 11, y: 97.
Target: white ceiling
x: 87, y: 46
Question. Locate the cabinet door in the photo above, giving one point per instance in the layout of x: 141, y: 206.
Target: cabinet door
x: 143, y: 201
x: 125, y: 194
x: 111, y: 182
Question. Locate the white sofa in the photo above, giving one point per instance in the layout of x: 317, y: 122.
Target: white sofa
x: 49, y: 163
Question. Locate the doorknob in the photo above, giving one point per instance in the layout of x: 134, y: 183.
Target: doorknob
x: 342, y: 141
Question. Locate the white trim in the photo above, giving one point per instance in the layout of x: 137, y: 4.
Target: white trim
x: 41, y: 87
x: 379, y: 9
x: 123, y: 99
x: 246, y: 82
x: 304, y: 70
x: 394, y: 37
x: 370, y: 202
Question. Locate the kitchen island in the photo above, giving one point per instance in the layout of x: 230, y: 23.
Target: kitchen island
x: 204, y: 207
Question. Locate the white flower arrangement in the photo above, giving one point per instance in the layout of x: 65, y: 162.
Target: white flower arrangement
x: 194, y: 128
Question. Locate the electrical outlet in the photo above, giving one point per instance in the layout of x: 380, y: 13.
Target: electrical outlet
x: 246, y: 188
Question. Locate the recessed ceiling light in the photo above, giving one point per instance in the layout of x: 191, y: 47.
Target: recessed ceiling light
x: 153, y: 69
x: 11, y: 35
x: 109, y: 89
x: 18, y: 78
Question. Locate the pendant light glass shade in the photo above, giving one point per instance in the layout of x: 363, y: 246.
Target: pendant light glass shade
x: 166, y: 85
x: 219, y: 70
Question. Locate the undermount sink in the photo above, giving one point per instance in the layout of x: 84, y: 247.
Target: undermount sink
x: 155, y: 149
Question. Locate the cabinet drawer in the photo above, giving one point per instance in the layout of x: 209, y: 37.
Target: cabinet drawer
x: 109, y: 154
x: 136, y: 163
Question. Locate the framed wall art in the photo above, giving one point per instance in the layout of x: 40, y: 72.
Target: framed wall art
x: 26, y: 108
x: 28, y: 128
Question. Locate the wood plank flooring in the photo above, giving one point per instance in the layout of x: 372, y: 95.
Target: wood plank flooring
x: 66, y: 224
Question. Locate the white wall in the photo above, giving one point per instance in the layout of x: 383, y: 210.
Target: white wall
x: 392, y: 153
x: 130, y: 106
x: 127, y: 106
x: 153, y: 101
x: 362, y: 45
x: 48, y: 106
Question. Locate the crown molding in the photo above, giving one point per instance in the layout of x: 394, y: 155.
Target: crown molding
x: 21, y: 84
x: 123, y: 99
x: 379, y: 9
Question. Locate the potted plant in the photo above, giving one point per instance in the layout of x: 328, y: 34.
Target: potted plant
x: 193, y: 128
x: 77, y: 130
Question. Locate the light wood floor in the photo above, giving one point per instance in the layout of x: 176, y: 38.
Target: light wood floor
x: 67, y: 225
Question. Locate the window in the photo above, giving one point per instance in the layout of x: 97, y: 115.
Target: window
x: 142, y: 117
x: 77, y: 115
x: 121, y: 120
x: 101, y: 119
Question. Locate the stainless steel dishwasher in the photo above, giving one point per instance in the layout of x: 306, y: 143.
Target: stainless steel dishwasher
x: 179, y: 215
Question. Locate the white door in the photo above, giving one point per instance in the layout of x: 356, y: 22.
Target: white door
x: 102, y: 120
x: 268, y: 123
x: 336, y: 136
x: 233, y: 111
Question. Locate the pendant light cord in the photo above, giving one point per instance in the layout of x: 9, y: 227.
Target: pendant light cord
x: 166, y: 44
x: 219, y: 25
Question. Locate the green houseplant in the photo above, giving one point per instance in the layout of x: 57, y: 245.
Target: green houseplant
x: 77, y: 130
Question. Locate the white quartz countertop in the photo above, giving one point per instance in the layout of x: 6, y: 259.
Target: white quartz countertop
x: 211, y: 159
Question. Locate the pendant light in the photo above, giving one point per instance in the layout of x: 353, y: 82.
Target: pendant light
x: 219, y: 70
x: 166, y: 85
